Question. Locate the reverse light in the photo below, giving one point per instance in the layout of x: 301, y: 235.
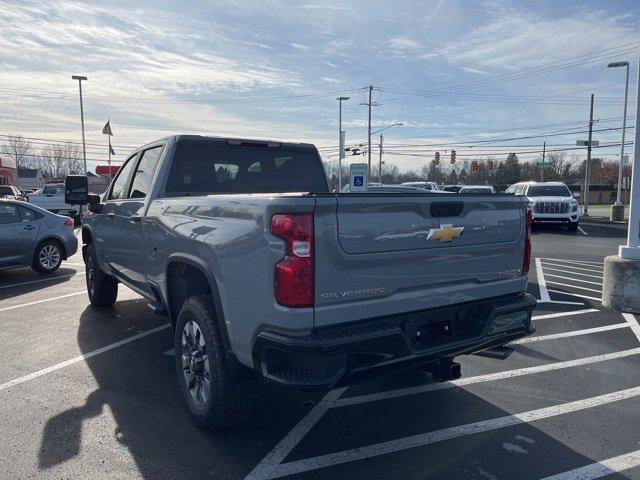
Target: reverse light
x: 526, y: 261
x: 294, y: 273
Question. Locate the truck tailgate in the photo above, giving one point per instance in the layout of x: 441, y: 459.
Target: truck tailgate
x: 382, y: 254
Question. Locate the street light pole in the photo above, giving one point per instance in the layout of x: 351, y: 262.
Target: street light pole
x: 585, y: 201
x: 80, y: 78
x: 380, y: 162
x: 624, y: 128
x: 340, y: 142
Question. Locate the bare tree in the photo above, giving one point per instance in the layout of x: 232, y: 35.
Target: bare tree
x: 19, y: 148
x: 59, y: 160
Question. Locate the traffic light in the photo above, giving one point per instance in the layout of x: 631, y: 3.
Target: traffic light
x: 474, y: 166
x: 453, y: 156
x: 437, y: 159
x: 489, y: 164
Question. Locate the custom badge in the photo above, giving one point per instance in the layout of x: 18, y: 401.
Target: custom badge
x: 445, y: 233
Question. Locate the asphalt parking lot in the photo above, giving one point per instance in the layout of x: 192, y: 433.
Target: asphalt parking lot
x: 92, y: 394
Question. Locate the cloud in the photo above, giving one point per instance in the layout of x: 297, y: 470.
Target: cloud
x: 515, y: 39
x: 298, y: 46
x: 403, y: 45
x: 475, y: 70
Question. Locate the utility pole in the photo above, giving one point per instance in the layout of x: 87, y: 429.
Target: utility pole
x: 585, y: 202
x: 370, y: 104
x: 544, y: 149
x: 80, y: 78
x: 380, y: 162
x: 369, y: 127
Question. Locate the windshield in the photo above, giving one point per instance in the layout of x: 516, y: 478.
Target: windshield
x: 548, y: 191
x: 6, y: 190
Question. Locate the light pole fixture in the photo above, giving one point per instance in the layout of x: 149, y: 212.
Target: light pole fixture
x: 624, y: 128
x: 341, y: 139
x: 387, y: 127
x: 80, y: 78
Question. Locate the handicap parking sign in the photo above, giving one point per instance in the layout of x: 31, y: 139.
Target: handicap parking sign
x: 358, y: 173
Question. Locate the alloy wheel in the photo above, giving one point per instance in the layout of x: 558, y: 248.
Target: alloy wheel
x: 195, y: 363
x: 49, y: 257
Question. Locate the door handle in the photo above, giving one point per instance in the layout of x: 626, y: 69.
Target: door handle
x: 29, y: 227
x: 111, y: 215
x: 135, y: 218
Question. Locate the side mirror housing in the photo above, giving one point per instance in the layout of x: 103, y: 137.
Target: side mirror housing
x: 576, y: 194
x: 95, y: 205
x: 76, y: 190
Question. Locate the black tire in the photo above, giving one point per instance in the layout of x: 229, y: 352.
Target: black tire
x: 47, y: 256
x: 230, y: 398
x: 101, y: 288
x: 573, y: 226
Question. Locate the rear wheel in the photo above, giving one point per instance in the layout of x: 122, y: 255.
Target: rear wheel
x: 47, y: 257
x: 217, y: 398
x: 573, y: 226
x: 102, y: 288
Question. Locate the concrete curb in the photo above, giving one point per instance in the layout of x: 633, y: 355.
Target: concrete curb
x: 621, y: 284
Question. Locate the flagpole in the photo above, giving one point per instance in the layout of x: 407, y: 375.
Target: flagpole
x: 109, y: 163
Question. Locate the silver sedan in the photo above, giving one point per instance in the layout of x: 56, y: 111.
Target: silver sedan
x: 32, y: 236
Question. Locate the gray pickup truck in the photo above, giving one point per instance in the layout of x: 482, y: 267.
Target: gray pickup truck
x: 266, y: 274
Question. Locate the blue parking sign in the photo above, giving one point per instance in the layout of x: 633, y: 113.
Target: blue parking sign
x: 358, y: 181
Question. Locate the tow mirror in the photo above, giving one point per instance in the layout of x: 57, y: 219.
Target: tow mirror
x: 76, y: 190
x: 576, y: 194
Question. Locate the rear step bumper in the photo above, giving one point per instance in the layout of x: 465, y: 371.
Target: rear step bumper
x: 349, y: 353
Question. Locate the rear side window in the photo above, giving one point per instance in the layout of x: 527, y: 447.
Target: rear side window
x: 27, y: 214
x: 212, y: 169
x: 6, y: 191
x: 144, y: 173
x: 55, y: 190
x: 8, y: 214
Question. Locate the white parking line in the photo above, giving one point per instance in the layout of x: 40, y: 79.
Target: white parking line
x: 4, y: 309
x: 593, y: 269
x: 563, y: 314
x: 562, y: 302
x: 491, y: 377
x: 48, y: 279
x: 576, y: 295
x: 582, y: 231
x: 633, y: 323
x: 574, y: 286
x: 575, y: 333
x: 573, y: 273
x: 369, y: 451
x: 564, y: 260
x: 274, y: 458
x: 542, y: 285
x: 573, y: 279
x: 80, y: 358
x: 601, y: 469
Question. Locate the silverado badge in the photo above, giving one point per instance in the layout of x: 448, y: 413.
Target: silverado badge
x: 445, y: 233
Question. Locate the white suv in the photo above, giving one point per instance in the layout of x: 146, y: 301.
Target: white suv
x: 550, y: 201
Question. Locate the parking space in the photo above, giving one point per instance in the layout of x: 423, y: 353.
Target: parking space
x: 93, y: 394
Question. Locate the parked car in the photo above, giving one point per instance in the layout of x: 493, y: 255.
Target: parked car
x: 32, y: 236
x: 552, y: 202
x: 424, y: 185
x: 477, y: 189
x: 392, y: 189
x: 267, y: 275
x: 51, y: 198
x: 11, y: 193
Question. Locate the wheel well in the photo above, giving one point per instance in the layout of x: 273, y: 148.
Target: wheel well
x: 184, y: 281
x: 56, y: 240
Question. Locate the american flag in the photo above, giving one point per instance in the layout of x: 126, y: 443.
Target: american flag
x: 111, y: 149
x: 107, y: 129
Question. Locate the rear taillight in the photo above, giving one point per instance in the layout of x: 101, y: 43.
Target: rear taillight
x: 294, y: 273
x: 526, y: 261
x: 69, y: 223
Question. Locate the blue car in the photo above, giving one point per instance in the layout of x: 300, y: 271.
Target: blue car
x: 32, y: 236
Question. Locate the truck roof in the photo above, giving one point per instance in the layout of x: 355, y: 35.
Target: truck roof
x: 211, y: 139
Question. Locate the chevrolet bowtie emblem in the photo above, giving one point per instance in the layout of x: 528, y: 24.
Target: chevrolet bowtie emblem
x: 445, y: 233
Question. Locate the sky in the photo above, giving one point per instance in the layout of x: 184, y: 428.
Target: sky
x: 453, y: 72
